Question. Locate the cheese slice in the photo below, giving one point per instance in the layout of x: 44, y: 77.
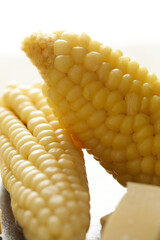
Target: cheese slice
x: 137, y: 217
x: 104, y: 219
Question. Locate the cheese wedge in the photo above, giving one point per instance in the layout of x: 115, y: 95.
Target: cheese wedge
x: 104, y: 220
x: 137, y: 217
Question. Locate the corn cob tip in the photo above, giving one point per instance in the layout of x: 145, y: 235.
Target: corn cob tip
x: 39, y: 48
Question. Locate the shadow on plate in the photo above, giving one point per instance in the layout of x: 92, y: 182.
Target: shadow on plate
x: 10, y: 230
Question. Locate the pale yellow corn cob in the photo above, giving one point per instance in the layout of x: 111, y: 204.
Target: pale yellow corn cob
x: 42, y: 169
x: 109, y: 104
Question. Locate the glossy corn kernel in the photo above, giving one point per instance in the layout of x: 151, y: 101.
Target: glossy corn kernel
x: 42, y: 169
x: 112, y: 104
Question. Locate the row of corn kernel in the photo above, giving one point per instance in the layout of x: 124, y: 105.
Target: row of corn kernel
x: 71, y: 48
x: 74, y: 45
x: 62, y: 137
x: 38, y: 125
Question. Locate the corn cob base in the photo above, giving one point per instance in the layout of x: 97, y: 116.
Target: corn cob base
x: 41, y: 169
x: 108, y: 103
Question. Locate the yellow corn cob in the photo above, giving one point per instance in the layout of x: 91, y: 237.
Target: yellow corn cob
x: 42, y: 169
x: 107, y: 102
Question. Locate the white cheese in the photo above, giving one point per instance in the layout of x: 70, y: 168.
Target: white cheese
x: 137, y: 217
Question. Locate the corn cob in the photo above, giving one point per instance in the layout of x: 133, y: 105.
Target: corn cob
x: 41, y: 169
x: 106, y: 101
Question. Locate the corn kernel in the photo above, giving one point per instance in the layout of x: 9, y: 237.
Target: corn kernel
x: 106, y: 52
x: 61, y: 47
x: 78, y: 54
x: 74, y: 93
x: 113, y: 98
x: 126, y: 83
x: 133, y: 66
x: 54, y: 75
x: 143, y: 178
x: 64, y: 106
x: 144, y: 107
x: 118, y: 156
x: 80, y: 127
x: 114, y: 122
x: 96, y: 118
x: 151, y: 79
x: 108, y: 138
x: 103, y: 71
x: 147, y: 165
x: 126, y: 126
x: 120, y: 169
x: 84, y: 40
x: 100, y: 98
x: 70, y: 37
x: 64, y: 85
x: 114, y: 58
x: 141, y: 74
x: 145, y: 147
x: 63, y: 63
x: 92, y: 61
x: 94, y: 45
x: 132, y: 103
x: 123, y: 63
x: 90, y: 89
x: 154, y: 103
x: 143, y: 132
x: 147, y: 90
x: 54, y: 225
x: 136, y: 86
x: 75, y: 73
x: 87, y: 78
x: 133, y: 167
x: 100, y: 130
x: 78, y: 103
x: 118, y: 108
x: 121, y: 141
x: 132, y: 152
x: 140, y: 120
x: 85, y: 110
x: 114, y: 79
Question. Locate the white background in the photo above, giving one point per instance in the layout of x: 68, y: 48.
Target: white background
x: 114, y: 21
x: 132, y: 26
